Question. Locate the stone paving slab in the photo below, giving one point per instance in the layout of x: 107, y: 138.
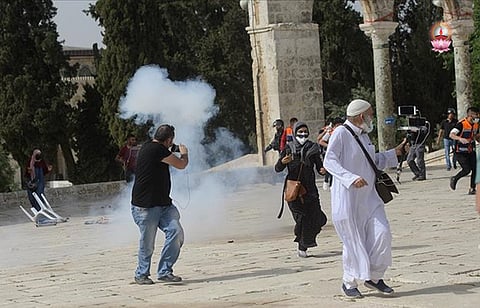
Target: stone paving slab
x: 237, y: 254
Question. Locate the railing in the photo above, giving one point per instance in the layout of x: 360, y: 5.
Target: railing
x: 79, y: 78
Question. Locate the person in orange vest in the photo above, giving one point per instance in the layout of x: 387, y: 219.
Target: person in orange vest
x: 287, y: 134
x: 465, y: 133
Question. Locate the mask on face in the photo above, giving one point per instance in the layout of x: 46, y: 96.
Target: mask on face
x: 301, y: 138
x: 367, y: 125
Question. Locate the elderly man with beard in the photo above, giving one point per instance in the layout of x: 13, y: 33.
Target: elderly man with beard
x: 358, y: 213
x: 300, y: 157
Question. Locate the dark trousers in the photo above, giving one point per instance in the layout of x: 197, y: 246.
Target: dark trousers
x: 417, y: 153
x: 468, y: 162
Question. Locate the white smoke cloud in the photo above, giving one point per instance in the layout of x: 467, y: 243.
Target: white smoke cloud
x: 187, y: 105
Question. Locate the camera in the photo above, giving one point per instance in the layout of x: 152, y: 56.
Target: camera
x: 414, y: 120
x: 417, y: 127
x: 175, y: 148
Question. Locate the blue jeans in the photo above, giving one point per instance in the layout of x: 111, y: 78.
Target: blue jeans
x: 167, y: 219
x: 449, y: 145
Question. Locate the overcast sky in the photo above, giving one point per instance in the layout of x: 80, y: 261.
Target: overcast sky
x: 79, y: 30
x: 73, y: 26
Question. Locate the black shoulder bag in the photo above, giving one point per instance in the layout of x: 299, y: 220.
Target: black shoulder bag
x: 383, y: 184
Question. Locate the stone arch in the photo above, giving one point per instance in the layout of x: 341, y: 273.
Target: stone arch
x: 84, y: 71
x: 455, y: 9
x: 377, y: 10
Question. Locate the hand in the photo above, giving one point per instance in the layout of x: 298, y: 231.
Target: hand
x: 287, y: 159
x: 49, y: 168
x: 402, y: 148
x: 360, y: 182
x: 183, y: 149
x: 463, y: 141
x: 323, y: 171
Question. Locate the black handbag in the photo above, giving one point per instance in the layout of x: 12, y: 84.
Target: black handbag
x: 383, y: 184
x: 31, y: 184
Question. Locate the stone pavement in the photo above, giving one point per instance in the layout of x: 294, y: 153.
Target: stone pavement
x: 238, y: 254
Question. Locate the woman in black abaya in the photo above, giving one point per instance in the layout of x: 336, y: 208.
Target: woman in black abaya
x: 302, y: 156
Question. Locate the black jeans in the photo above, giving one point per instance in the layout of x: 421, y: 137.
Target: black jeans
x: 468, y: 162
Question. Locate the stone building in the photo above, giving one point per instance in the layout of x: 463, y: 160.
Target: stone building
x: 84, y: 58
x: 287, y: 76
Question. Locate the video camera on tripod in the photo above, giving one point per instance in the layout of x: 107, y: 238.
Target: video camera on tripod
x: 414, y: 120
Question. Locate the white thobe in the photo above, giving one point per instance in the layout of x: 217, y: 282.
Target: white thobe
x: 358, y: 214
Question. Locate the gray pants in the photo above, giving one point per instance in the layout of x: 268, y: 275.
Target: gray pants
x: 416, y: 160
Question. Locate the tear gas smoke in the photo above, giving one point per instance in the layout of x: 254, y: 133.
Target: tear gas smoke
x: 187, y: 105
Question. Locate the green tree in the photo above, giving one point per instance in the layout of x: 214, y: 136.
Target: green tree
x: 189, y: 38
x: 475, y: 59
x: 420, y: 76
x: 346, y: 54
x: 33, y: 112
x: 6, y: 171
x: 93, y: 144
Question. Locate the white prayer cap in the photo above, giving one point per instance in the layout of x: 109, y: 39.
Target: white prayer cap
x: 357, y: 106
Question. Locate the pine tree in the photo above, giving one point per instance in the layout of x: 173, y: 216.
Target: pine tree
x: 93, y: 145
x: 420, y: 76
x: 190, y: 39
x: 33, y: 112
x: 475, y: 59
x: 346, y: 54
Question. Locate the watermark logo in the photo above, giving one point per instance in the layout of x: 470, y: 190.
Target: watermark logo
x: 440, y: 34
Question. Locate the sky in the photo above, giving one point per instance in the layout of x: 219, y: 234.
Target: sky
x: 77, y: 29
x: 74, y: 26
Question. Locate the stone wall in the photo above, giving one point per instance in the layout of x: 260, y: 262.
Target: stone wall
x: 287, y: 75
x: 86, y: 192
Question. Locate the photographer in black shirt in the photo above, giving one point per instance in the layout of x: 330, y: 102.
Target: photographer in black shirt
x: 152, y: 206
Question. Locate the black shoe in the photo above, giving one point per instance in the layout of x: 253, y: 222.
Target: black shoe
x: 454, y: 166
x: 170, y: 278
x: 379, y: 286
x: 143, y: 280
x: 415, y: 178
x: 353, y: 293
x: 453, y: 183
x: 472, y: 191
x: 421, y: 178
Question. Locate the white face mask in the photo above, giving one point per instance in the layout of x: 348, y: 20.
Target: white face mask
x: 367, y: 125
x: 301, y: 140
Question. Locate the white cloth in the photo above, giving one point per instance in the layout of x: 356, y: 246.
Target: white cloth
x: 358, y: 214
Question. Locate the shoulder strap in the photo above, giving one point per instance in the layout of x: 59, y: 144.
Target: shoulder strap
x: 369, y: 158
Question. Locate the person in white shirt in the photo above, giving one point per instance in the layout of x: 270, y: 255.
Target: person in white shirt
x: 358, y: 213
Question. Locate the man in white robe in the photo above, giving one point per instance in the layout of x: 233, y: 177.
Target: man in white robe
x: 358, y: 213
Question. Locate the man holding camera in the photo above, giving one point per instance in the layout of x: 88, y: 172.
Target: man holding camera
x: 152, y: 206
x: 416, y: 156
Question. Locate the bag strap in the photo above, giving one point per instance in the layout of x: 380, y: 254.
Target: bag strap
x: 283, y: 190
x: 369, y: 158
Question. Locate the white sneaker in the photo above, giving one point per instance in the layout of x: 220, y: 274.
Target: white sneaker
x: 325, y: 186
x: 302, y: 254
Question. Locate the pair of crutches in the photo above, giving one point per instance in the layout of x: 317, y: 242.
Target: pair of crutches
x: 46, y: 211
